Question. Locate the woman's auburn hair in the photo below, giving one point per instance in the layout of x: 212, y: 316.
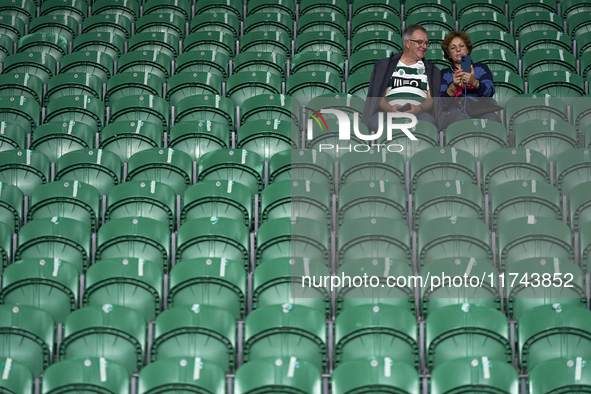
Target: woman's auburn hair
x: 448, y: 39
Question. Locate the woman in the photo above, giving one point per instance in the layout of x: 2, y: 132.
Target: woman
x: 456, y: 83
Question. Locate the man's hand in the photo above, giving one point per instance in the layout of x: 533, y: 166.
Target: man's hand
x: 394, y: 108
x: 414, y: 109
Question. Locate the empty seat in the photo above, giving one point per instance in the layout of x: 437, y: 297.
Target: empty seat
x: 584, y: 245
x: 203, y: 107
x: 53, y: 44
x: 244, y: 84
x: 140, y: 61
x: 322, y: 21
x: 97, y: 374
x: 476, y: 136
x: 326, y: 6
x: 377, y: 166
x: 125, y: 138
x: 196, y: 138
x: 434, y: 6
x: 55, y: 139
x: 257, y: 6
x: 501, y: 59
x: 559, y: 374
x: 147, y: 108
x: 11, y: 206
x: 365, y: 59
x: 432, y: 21
x: 196, y: 331
x: 370, y: 21
x: 533, y: 236
x: 188, y: 83
x: 441, y: 164
x: 216, y: 21
x: 581, y: 116
x: 242, y: 166
x: 110, y: 43
x: 110, y: 21
x: 326, y: 137
x: 302, y: 164
x: 307, y: 84
x: 6, y: 248
x: 492, y: 40
x: 47, y: 284
x: 541, y: 60
x: 24, y: 11
x: 511, y: 164
x: 56, y: 238
x: 214, y: 281
x: 578, y: 23
x: 217, y: 41
x: 269, y: 21
x: 318, y: 61
x: 321, y: 41
x: 358, y: 83
x: 571, y: 168
x: 376, y: 331
x: 72, y: 84
x: 267, y: 137
x: 101, y: 169
x: 165, y: 22
x: 484, y: 21
x: 24, y: 169
x: 131, y: 8
x: 371, y: 198
x: 89, y: 62
x: 361, y: 6
x: 528, y: 21
x: 270, y: 106
x: 213, y: 6
x: 131, y: 83
x: 67, y: 199
x: 64, y: 25
x: 14, y: 136
x: 507, y: 84
x: 114, y: 332
x: 26, y: 85
x: 531, y: 106
x: 19, y: 378
x: 266, y: 41
x: 536, y: 40
x: 578, y: 205
x: 160, y: 41
x: 173, y: 168
x: 21, y: 111
x: 376, y: 39
x: 426, y: 135
x: 85, y: 109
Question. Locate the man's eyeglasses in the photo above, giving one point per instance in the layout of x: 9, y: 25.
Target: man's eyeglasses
x: 455, y: 48
x: 421, y: 42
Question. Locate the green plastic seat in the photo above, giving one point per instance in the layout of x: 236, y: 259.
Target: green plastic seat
x: 361, y: 6
x: 469, y: 6
x: 55, y: 238
x: 40, y: 64
x: 507, y: 84
x: 274, y: 373
x: 453, y: 237
x: 306, y: 164
x: 376, y: 331
x: 101, y: 169
x: 318, y: 61
x: 491, y: 40
x: 114, y: 332
x: 266, y: 137
x: 585, y: 246
x: 377, y: 20
x: 12, y: 26
x: 583, y: 47
x: 151, y: 199
x: 21, y: 111
x: 433, y: 54
x: 130, y: 282
x: 11, y: 206
x: 585, y: 64
x: 533, y: 106
x: 6, y: 46
x: 154, y: 62
x: 155, y: 41
x: 533, y: 236
x: 578, y: 205
x: 164, y: 22
x: 560, y: 374
x: 96, y: 63
x: 476, y: 375
x: 178, y: 8
x: 277, y: 330
x: 203, y: 107
x: 112, y: 44
x: 578, y: 23
x: 259, y: 6
x: 510, y: 164
x: 426, y: 135
x: 27, y: 85
x: 173, y: 168
x: 297, y: 198
x: 213, y: 281
x: 66, y: 199
x: 197, y: 138
x: 19, y: 379
x: 364, y: 60
x: 371, y: 198
x: 55, y: 139
x: 375, y: 374
x: 195, y: 331
x: 571, y: 168
x: 25, y: 11
x: 434, y: 6
x: 47, y: 284
x: 216, y: 21
x: 545, y: 40
x: 125, y: 138
x: 213, y: 6
x: 484, y: 21
x: 189, y: 374
x: 564, y: 84
x: 74, y: 84
x: 432, y: 21
x: 387, y: 292
x: 131, y: 8
x: 269, y: 21
x: 132, y: 83
x: 466, y: 330
x: 221, y: 42
x: 478, y: 137
x: 547, y: 136
x: 245, y: 84
x: 140, y: 237
x: 571, y: 7
x: 374, y: 237
x: 440, y: 164
x: 501, y: 59
x: 24, y: 169
x: 307, y: 84
x: 522, y: 6
x: 64, y: 25
x: 215, y: 198
x: 445, y: 199
x: 258, y: 63
x: 74, y: 9
x: 6, y: 248
x: 213, y: 237
x: 325, y: 137
x: 326, y: 6
x: 358, y: 83
x: 348, y: 103
x: 28, y: 336
x: 543, y: 60
x: 148, y: 108
x: 12, y: 136
x: 560, y: 281
x: 239, y: 165
x: 203, y: 61
x: 322, y: 21
x: 521, y: 198
x: 552, y: 331
x: 321, y: 41
x: 528, y: 21
x: 91, y: 374
x: 78, y: 108
x: 376, y: 39
x: 285, y: 281
x: 187, y: 84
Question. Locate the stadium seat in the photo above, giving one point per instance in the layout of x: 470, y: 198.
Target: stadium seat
x: 321, y: 41
x: 148, y: 108
x: 19, y: 378
x: 266, y: 41
x: 291, y: 281
x: 214, y: 6
x: 281, y: 374
x: 66, y: 199
x: 269, y: 21
x: 84, y: 108
x: 537, y: 40
x: 585, y: 64
x: 270, y: 106
x: 326, y: 6
x: 131, y: 282
x: 475, y: 374
x: 293, y: 237
x: 54, y: 139
x: 245, y: 84
x: 507, y: 84
x: 306, y: 164
x: 510, y: 164
x: 483, y: 21
x: 492, y: 40
x: 74, y: 9
x: 371, y: 198
x: 540, y: 60
x: 173, y: 168
x: 435, y: 55
x: 187, y: 84
x: 571, y: 168
x: 442, y: 163
x: 521, y: 198
x: 564, y: 84
x: 139, y: 237
x: 372, y: 21
x: 522, y: 6
x: 226, y: 22
x: 558, y: 375
x: 585, y: 246
x: 552, y: 331
x: 101, y: 169
x: 28, y: 336
x: 466, y: 330
x: 93, y: 374
x: 25, y: 10
x: 24, y: 169
x: 11, y: 206
x: 74, y: 84
x: 5, y: 245
x: 203, y: 107
x: 42, y: 65
x: 130, y: 9
x: 358, y: 84
x: 242, y: 166
x: 578, y: 23
x: 164, y: 22
x: 259, y: 63
x: 376, y: 39
x: 62, y: 238
x: 436, y: 295
x: 154, y: 62
x: 155, y: 41
x: 318, y: 61
x: 445, y: 199
x: 583, y: 47
x: 132, y: 83
x: 47, y: 284
x: 220, y: 42
x: 192, y: 374
x: 578, y: 205
x: 426, y: 137
x: 476, y: 136
x: 12, y: 136
x: 533, y: 236
x: 547, y: 136
x: 110, y: 43
x: 500, y: 59
x: 276, y: 330
x: 181, y: 9
x: 468, y: 6
x: 65, y: 26
x: 364, y: 60
x: 432, y: 21
x: 528, y: 21
x: 213, y: 237
x: 197, y: 138
x: 261, y: 6
x: 307, y: 84
x: 373, y: 237
x: 125, y: 138
x: 434, y: 6
x: 533, y: 106
x: 212, y: 281
x: 374, y: 374
x: 560, y: 281
x: 323, y: 21
x: 453, y: 237
x: 20, y: 111
x: 114, y: 332
x: 196, y: 331
x: 17, y: 85
x: 88, y: 62
x: 326, y: 136
x: 12, y: 26
x: 266, y: 137
x: 361, y: 6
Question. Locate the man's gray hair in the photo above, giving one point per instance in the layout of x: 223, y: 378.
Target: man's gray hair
x: 410, y: 30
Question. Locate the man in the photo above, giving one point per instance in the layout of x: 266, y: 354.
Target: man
x: 404, y: 77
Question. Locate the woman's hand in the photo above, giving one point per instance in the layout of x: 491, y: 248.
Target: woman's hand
x: 457, y: 78
x: 469, y: 78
